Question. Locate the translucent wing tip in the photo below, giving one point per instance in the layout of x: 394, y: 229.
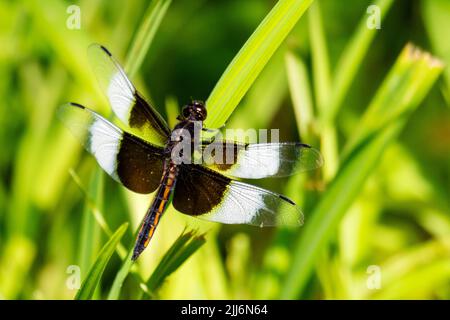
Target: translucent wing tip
x: 293, y: 216
x: 318, y: 157
x: 295, y: 221
x: 301, y: 219
x: 311, y: 158
x: 93, y: 47
x: 63, y: 110
x: 96, y: 46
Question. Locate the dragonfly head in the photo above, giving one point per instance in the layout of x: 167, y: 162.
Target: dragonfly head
x: 195, y: 111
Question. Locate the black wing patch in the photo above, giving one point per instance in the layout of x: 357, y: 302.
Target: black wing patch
x: 208, y: 195
x: 138, y: 165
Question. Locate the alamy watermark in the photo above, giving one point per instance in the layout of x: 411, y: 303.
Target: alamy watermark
x: 374, y: 19
x: 373, y: 281
x: 73, y: 281
x: 188, y: 148
x: 73, y: 21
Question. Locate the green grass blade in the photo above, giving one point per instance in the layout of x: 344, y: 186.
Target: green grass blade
x: 407, y: 274
x: 320, y: 60
x: 89, y: 229
x: 121, y: 251
x: 121, y: 275
x: 415, y: 72
x: 185, y: 246
x: 92, y: 208
x: 252, y: 58
x: 145, y: 34
x: 178, y: 253
x: 322, y: 89
x: 93, y: 277
x: 437, y: 23
x: 299, y: 88
x: 419, y: 284
x: 267, y: 92
x: 396, y: 97
x: 350, y: 60
x: 329, y: 96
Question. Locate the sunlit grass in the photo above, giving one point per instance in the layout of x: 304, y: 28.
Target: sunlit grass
x: 318, y: 74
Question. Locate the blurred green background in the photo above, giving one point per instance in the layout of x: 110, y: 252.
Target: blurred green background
x: 391, y: 241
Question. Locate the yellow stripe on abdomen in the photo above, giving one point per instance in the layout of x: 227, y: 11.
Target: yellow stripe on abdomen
x: 152, y: 228
x: 160, y: 209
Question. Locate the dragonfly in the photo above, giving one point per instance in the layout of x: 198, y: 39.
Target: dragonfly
x: 139, y: 154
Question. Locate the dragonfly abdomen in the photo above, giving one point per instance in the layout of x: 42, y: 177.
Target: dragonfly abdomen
x: 156, y: 209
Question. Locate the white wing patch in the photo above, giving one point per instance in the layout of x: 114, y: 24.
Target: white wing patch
x: 257, y: 161
x: 121, y: 96
x: 235, y: 211
x: 104, y: 144
x: 247, y: 204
